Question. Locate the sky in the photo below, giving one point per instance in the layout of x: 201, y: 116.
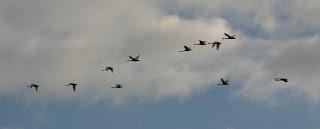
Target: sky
x: 55, y: 42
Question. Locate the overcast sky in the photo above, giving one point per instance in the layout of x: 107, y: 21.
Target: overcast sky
x: 54, y: 42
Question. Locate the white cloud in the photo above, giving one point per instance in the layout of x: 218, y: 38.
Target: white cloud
x: 53, y: 43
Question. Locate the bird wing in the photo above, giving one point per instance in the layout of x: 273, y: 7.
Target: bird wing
x: 213, y: 44
x: 185, y: 47
x: 74, y: 88
x: 111, y: 70
x: 218, y: 46
x: 137, y: 57
x: 227, y: 35
x: 36, y: 88
x: 131, y: 57
x: 223, y: 81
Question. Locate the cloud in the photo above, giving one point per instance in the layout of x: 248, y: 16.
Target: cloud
x: 54, y: 42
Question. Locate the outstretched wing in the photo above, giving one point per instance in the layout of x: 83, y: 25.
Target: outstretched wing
x: 213, y: 44
x: 74, y: 88
x: 227, y: 35
x: 223, y: 81
x: 218, y: 46
x: 131, y: 57
x: 137, y: 57
x: 186, y: 48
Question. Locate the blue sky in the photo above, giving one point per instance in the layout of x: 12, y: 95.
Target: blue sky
x: 213, y: 108
x: 55, y: 42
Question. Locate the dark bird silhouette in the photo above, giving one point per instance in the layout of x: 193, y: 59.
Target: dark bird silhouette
x: 108, y: 68
x: 35, y: 86
x: 224, y: 82
x: 281, y: 79
x: 215, y: 44
x: 186, y: 48
x: 229, y: 37
x: 73, y: 86
x: 117, y: 86
x: 134, y: 59
x: 201, y: 42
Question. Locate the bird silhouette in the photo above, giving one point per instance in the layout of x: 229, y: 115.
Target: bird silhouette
x: 229, y: 37
x: 216, y: 43
x: 134, y: 59
x: 201, y: 42
x: 74, y: 85
x: 281, y: 79
x: 35, y: 86
x: 224, y: 82
x: 108, y: 68
x: 117, y: 86
x: 186, y: 48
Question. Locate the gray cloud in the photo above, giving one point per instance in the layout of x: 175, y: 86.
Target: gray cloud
x: 55, y: 42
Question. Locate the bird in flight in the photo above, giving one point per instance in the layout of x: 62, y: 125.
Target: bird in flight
x: 134, y: 59
x: 229, y: 37
x: 224, y: 82
x: 73, y: 86
x: 186, y: 48
x: 117, y: 86
x: 201, y: 42
x: 35, y: 86
x: 216, y: 43
x: 108, y: 68
x: 281, y: 79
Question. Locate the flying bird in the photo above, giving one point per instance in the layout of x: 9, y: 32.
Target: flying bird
x: 216, y: 43
x: 201, y: 42
x: 224, y: 82
x: 186, y: 48
x: 229, y: 37
x: 281, y: 79
x: 73, y: 86
x: 108, y: 68
x: 117, y: 86
x: 35, y: 86
x: 134, y: 59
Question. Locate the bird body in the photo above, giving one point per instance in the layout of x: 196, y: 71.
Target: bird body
x: 201, y: 42
x: 108, y: 68
x: 224, y: 82
x: 74, y: 85
x: 134, y: 59
x: 216, y: 43
x: 229, y: 36
x: 35, y: 86
x: 281, y: 79
x: 186, y: 48
x: 117, y: 86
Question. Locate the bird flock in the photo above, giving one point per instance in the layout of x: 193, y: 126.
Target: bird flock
x: 217, y: 44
